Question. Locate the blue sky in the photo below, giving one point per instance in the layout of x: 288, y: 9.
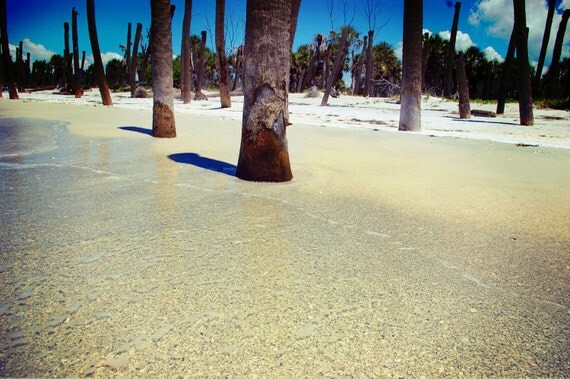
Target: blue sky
x: 485, y: 23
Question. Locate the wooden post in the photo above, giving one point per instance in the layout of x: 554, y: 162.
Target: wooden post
x: 99, y: 71
x: 463, y: 89
x: 77, y: 90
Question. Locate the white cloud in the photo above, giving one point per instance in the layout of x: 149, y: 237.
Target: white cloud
x: 462, y: 42
x: 492, y: 55
x: 398, y: 50
x: 105, y: 57
x: 37, y: 51
x: 424, y: 30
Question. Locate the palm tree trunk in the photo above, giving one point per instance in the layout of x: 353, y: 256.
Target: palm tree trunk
x: 7, y: 60
x: 545, y: 39
x: 225, y: 99
x: 263, y: 153
x: 186, y: 75
x: 134, y: 60
x: 358, y: 71
x: 99, y: 71
x: 463, y: 89
x: 410, y: 97
x: 77, y: 90
x: 128, y: 49
x: 506, y: 74
x: 448, y: 86
x: 163, y: 123
x: 67, y: 57
x: 200, y: 74
x: 555, y: 65
x: 338, y: 60
x: 369, y: 65
x: 523, y: 69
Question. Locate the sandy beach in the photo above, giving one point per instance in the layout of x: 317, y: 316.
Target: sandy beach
x: 440, y: 253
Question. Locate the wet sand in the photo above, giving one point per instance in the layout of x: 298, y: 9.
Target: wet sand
x: 389, y: 254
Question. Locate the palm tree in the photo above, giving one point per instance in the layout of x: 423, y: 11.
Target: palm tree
x: 506, y: 73
x: 523, y: 69
x: 185, y: 74
x: 263, y: 152
x: 338, y: 60
x: 101, y: 80
x: 7, y: 60
x: 448, y: 85
x: 225, y: 99
x: 545, y: 39
x: 163, y: 124
x: 463, y: 89
x: 553, y: 72
x: 410, y: 100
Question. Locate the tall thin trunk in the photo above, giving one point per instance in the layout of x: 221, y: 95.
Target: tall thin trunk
x: 425, y: 58
x: 99, y: 71
x: 543, y: 49
x: 523, y: 69
x: 67, y: 56
x: 506, y: 72
x: 553, y: 72
x: 128, y: 48
x: 369, y: 65
x: 310, y: 75
x: 358, y: 71
x: 338, y: 59
x: 163, y: 123
x: 448, y: 85
x: 134, y: 60
x: 185, y: 74
x: 200, y: 74
x: 410, y: 97
x: 7, y: 60
x: 77, y: 90
x: 463, y: 89
x: 225, y: 99
x: 82, y: 60
x: 263, y: 152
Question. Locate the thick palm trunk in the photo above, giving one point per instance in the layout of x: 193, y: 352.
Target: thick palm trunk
x: 410, y: 97
x: 263, y: 153
x: 225, y: 100
x: 553, y: 72
x: 163, y: 125
x: 463, y: 89
x: 523, y: 69
x: 134, y: 60
x: 506, y: 74
x: 77, y: 90
x: 185, y: 75
x: 369, y: 65
x: 448, y: 86
x: 545, y: 39
x: 99, y: 71
x: 338, y: 59
x: 7, y: 60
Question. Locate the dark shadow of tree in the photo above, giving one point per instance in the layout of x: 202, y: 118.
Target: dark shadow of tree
x: 137, y: 129
x: 205, y: 163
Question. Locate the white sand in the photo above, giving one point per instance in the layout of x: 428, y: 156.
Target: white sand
x: 389, y: 254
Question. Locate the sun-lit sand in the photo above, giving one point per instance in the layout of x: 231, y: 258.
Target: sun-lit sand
x: 440, y: 253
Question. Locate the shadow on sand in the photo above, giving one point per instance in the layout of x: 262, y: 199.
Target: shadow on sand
x: 206, y: 163
x: 137, y: 129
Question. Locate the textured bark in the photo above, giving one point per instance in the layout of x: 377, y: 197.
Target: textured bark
x: 200, y: 74
x: 425, y: 57
x: 7, y: 60
x: 99, y: 71
x: 128, y: 48
x: 358, y: 71
x: 410, y: 97
x: 338, y: 60
x: 134, y: 60
x: 545, y: 39
x: 163, y: 125
x: 67, y: 57
x: 185, y: 74
x: 225, y: 100
x: 448, y: 85
x: 77, y: 90
x: 463, y: 89
x: 310, y: 74
x: 553, y: 72
x: 263, y: 152
x: 295, y: 5
x: 523, y: 69
x: 506, y: 74
x: 369, y: 65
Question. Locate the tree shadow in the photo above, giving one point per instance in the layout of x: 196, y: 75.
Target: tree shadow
x: 205, y: 163
x: 479, y: 121
x: 137, y: 129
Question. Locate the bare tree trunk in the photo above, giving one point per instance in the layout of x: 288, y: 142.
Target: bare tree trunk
x: 225, y: 99
x: 425, y: 58
x: 338, y: 60
x: 369, y: 65
x: 163, y: 123
x: 77, y: 90
x: 67, y: 56
x: 463, y: 89
x: 200, y: 70
x: 186, y: 74
x: 358, y: 71
x: 134, y: 60
x: 7, y: 60
x: 310, y: 74
x: 263, y: 153
x: 82, y: 60
x: 523, y: 69
x: 99, y: 71
x: 545, y: 39
x: 448, y: 85
x: 553, y: 72
x: 410, y: 97
x: 506, y: 74
x: 128, y: 49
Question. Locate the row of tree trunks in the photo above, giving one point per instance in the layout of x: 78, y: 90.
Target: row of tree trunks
x: 185, y: 61
x: 200, y: 69
x: 545, y: 39
x: 553, y: 72
x: 225, y: 100
x: 7, y: 60
x: 99, y: 70
x: 338, y: 60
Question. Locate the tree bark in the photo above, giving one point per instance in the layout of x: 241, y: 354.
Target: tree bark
x: 358, y: 70
x: 128, y: 49
x: 7, y: 60
x: 200, y: 74
x: 545, y: 39
x: 338, y: 60
x: 263, y: 152
x: 463, y: 89
x: 77, y: 90
x: 68, y: 57
x: 134, y: 60
x: 163, y: 123
x: 425, y: 58
x: 523, y: 69
x: 553, y: 72
x: 506, y: 74
x: 369, y: 65
x: 186, y: 74
x: 448, y: 87
x: 310, y: 74
x: 410, y: 97
x: 225, y: 100
x: 99, y: 71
